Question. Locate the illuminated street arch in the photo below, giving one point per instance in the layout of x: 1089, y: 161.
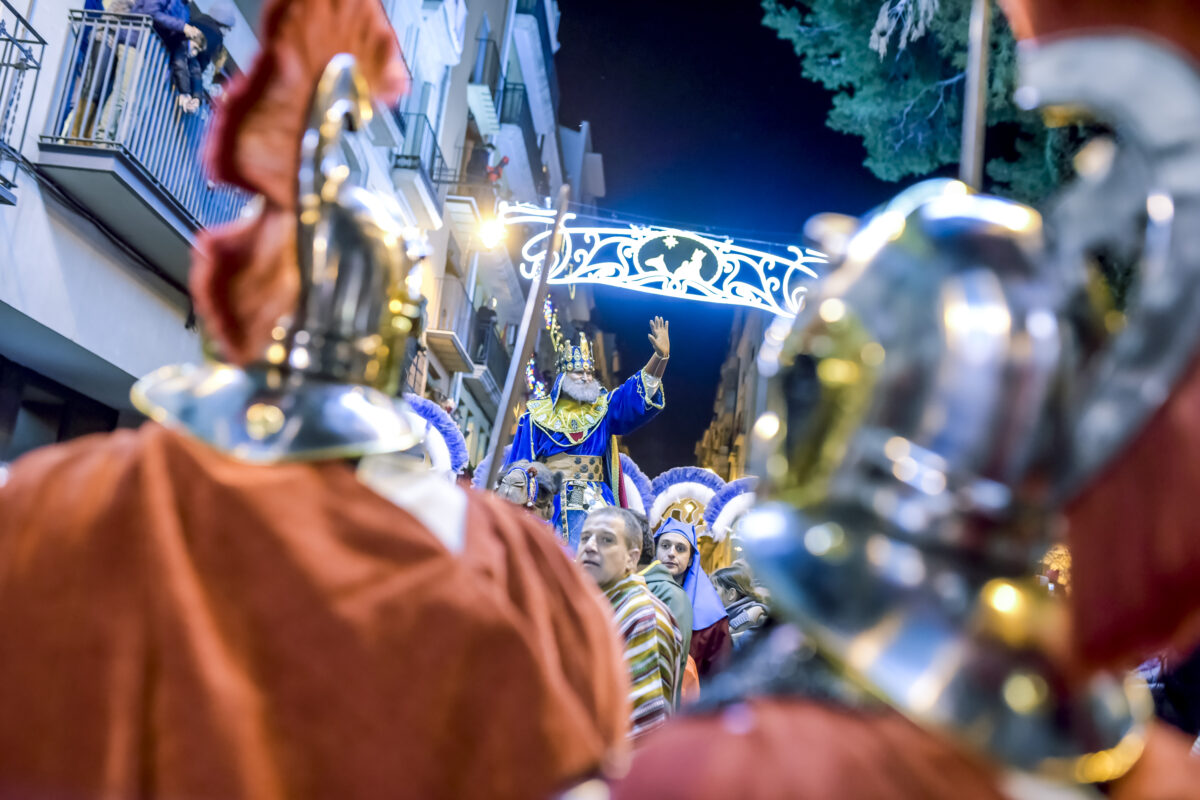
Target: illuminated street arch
x: 668, y: 261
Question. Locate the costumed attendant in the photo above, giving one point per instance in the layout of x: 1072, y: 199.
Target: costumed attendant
x: 675, y: 548
x: 574, y: 430
x: 214, y: 604
x: 684, y: 493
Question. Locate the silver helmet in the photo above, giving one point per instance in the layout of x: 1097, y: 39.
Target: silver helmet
x: 327, y: 385
x: 915, y: 429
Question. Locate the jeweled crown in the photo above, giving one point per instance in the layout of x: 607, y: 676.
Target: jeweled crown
x: 573, y: 358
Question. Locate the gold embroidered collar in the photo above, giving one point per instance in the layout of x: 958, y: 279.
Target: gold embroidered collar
x: 568, y: 415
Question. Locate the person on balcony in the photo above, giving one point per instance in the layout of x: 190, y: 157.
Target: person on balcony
x: 212, y: 56
x: 172, y: 23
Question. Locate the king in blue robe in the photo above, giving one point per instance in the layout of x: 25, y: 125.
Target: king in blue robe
x: 574, y: 430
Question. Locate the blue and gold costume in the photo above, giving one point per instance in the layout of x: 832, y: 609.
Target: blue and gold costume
x: 579, y: 439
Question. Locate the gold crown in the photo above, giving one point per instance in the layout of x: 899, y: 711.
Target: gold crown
x: 572, y: 358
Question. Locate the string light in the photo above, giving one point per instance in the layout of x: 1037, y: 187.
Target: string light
x: 536, y: 387
x: 550, y: 313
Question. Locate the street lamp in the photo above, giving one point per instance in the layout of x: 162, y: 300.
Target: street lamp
x: 492, y: 233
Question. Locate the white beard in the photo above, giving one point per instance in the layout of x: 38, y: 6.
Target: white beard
x: 583, y: 391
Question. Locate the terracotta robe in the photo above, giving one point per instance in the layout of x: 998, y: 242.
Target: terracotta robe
x: 793, y: 748
x: 177, y: 624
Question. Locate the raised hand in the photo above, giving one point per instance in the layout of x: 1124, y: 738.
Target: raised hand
x: 659, y: 337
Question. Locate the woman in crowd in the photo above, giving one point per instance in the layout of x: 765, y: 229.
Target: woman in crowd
x: 675, y: 547
x: 747, y: 613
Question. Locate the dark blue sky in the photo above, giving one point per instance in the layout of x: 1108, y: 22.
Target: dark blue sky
x: 703, y: 118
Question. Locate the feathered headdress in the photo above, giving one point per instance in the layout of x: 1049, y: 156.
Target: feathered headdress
x: 638, y: 494
x: 243, y: 277
x: 729, y: 503
x: 682, y: 493
x: 441, y: 434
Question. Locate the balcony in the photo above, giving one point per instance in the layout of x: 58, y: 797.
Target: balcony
x: 21, y: 52
x: 452, y: 329
x: 483, y: 89
x: 450, y: 24
x: 419, y: 170
x: 492, y: 360
x: 535, y: 49
x: 119, y: 143
x: 515, y: 112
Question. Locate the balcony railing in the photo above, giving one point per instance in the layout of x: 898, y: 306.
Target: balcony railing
x: 483, y: 90
x: 487, y: 65
x: 515, y: 110
x: 420, y: 150
x: 115, y: 93
x: 456, y: 312
x: 488, y: 349
x: 21, y: 51
x: 537, y: 10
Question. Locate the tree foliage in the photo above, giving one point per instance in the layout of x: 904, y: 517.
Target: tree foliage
x: 898, y: 68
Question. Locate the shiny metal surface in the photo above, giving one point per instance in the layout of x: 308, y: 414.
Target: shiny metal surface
x: 327, y: 383
x: 952, y: 649
x: 933, y: 348
x: 916, y: 418
x: 1141, y: 198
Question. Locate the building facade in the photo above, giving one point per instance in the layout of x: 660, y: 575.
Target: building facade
x: 724, y: 446
x: 102, y: 193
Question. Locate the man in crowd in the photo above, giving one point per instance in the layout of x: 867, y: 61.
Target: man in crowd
x: 609, y: 549
x: 662, y: 584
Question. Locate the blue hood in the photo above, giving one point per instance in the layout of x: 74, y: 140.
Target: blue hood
x: 707, y: 608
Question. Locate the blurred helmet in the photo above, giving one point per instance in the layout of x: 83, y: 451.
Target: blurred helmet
x: 915, y: 426
x: 327, y: 385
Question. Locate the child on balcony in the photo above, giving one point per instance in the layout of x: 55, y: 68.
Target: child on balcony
x: 172, y: 22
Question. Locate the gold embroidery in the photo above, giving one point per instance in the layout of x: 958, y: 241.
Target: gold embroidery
x: 568, y: 415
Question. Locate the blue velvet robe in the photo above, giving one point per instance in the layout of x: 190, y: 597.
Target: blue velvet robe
x: 629, y: 407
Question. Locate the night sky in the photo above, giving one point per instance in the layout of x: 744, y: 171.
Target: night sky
x: 703, y: 119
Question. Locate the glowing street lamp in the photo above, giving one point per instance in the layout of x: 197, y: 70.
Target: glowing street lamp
x: 492, y: 233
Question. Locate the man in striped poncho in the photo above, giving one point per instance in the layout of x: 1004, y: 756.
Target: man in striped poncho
x: 609, y: 547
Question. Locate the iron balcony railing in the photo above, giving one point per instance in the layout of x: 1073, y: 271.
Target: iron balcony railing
x: 488, y: 348
x: 514, y: 110
x: 420, y: 150
x: 21, y: 51
x: 538, y: 10
x: 115, y: 92
x: 455, y: 312
x: 487, y: 66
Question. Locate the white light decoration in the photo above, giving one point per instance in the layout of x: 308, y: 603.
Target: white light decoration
x: 668, y: 261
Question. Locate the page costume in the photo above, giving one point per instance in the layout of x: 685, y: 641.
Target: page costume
x: 711, y: 643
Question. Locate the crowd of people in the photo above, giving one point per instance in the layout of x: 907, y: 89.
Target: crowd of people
x: 109, y: 53
x: 276, y: 587
x: 679, y: 625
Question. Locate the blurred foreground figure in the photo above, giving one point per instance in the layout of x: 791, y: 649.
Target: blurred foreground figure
x: 215, y: 605
x: 970, y: 395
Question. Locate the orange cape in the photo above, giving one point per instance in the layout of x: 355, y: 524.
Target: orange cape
x: 177, y: 624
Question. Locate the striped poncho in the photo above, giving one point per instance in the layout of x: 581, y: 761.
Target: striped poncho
x: 653, y: 646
